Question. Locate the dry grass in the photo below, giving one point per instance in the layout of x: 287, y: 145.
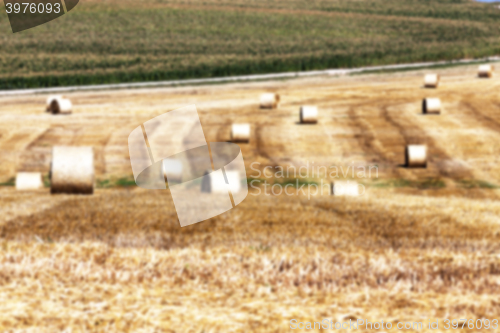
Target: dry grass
x: 104, y: 267
x: 119, y: 262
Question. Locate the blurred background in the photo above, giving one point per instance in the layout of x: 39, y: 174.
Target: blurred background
x: 125, y: 41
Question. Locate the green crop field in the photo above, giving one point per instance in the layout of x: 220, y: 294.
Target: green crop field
x: 126, y: 41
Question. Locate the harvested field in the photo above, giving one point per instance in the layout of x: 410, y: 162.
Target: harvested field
x: 419, y: 244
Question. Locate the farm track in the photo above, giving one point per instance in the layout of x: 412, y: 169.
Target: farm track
x: 417, y: 135
x: 485, y: 120
x: 368, y: 140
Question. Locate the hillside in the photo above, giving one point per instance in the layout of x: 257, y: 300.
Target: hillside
x: 420, y: 244
x: 125, y: 41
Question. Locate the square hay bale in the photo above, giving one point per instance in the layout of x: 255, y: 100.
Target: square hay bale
x: 28, y: 181
x: 344, y: 188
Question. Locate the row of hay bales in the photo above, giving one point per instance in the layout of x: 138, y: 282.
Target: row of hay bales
x: 432, y: 80
x: 220, y: 183
x: 72, y: 168
x: 415, y: 155
x: 241, y: 132
x: 215, y: 183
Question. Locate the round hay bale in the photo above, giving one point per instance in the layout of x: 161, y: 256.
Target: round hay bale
x: 240, y: 132
x: 269, y: 101
x: 416, y: 156
x: 172, y: 170
x: 28, y: 181
x: 308, y: 114
x: 61, y: 106
x: 50, y: 99
x: 216, y: 182
x: 485, y: 71
x: 431, y: 80
x: 431, y: 106
x: 72, y: 170
x: 344, y: 188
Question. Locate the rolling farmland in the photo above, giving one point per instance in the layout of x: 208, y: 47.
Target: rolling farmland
x: 130, y: 41
x: 419, y: 244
